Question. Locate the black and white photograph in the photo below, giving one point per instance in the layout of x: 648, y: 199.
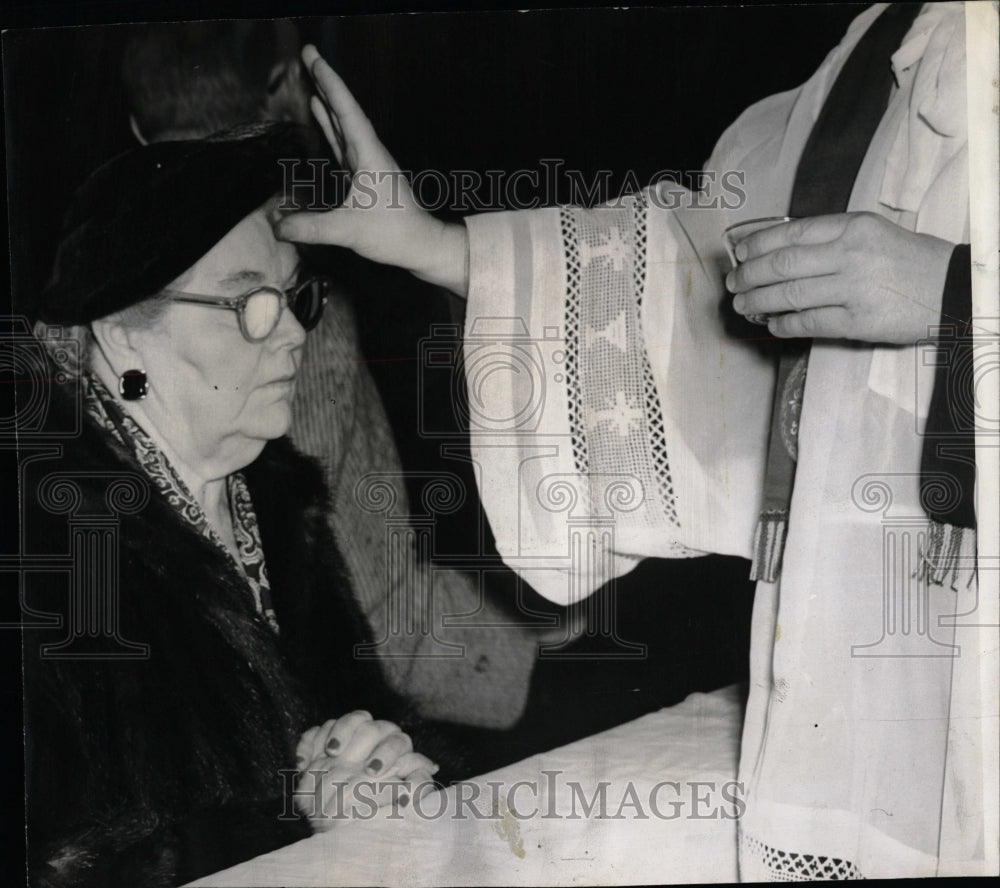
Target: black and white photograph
x: 501, y: 446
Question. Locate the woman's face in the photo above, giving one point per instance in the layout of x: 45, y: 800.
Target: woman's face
x: 214, y: 396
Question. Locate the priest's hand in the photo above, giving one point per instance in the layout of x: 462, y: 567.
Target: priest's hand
x: 846, y: 276
x: 351, y: 766
x: 380, y: 218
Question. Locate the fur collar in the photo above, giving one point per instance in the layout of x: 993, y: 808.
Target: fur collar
x: 159, y: 769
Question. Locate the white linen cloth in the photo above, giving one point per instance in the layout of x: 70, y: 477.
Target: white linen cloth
x: 687, y: 834
x: 613, y: 418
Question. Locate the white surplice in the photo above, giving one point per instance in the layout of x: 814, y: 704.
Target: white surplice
x: 613, y: 418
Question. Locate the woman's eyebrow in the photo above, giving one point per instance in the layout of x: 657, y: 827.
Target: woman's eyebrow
x: 249, y: 277
x: 241, y: 278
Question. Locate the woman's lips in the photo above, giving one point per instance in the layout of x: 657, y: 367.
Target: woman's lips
x: 283, y: 386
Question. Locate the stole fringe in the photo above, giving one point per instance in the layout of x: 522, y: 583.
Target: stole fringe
x: 948, y: 556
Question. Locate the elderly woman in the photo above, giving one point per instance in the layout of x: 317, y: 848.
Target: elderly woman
x: 164, y: 745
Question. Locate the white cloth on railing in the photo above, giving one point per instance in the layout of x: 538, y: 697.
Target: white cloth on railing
x: 670, y: 799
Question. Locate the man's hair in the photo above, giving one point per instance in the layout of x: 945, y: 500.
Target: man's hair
x: 191, y: 79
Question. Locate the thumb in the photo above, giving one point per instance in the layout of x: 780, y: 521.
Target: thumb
x: 332, y: 228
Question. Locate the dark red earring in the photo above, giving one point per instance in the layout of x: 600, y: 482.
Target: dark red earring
x: 133, y: 385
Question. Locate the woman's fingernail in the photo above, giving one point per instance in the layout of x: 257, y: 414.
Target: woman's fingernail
x: 741, y: 251
x: 332, y: 746
x: 404, y: 800
x: 739, y: 303
x: 374, y: 766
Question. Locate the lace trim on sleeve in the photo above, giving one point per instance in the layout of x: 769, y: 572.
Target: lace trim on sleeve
x: 615, y: 416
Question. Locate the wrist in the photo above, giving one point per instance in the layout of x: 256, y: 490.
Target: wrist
x: 448, y: 252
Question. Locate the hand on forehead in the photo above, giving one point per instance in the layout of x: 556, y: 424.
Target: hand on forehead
x: 248, y: 256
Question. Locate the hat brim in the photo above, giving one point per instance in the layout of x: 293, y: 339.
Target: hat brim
x: 148, y: 215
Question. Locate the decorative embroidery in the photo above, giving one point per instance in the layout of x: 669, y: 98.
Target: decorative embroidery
x: 108, y: 415
x: 611, y: 249
x: 622, y: 415
x: 791, y: 406
x: 769, y: 545
x: 613, y: 402
x: 654, y: 411
x: 615, y: 334
x: 578, y: 439
x: 791, y: 866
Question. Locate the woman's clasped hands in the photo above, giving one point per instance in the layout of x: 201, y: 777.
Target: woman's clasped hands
x: 350, y: 767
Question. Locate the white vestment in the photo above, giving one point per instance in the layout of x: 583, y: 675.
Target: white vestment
x: 614, y: 418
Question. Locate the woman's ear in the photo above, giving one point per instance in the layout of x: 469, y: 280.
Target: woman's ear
x: 116, y: 345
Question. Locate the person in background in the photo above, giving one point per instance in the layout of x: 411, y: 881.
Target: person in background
x: 191, y: 79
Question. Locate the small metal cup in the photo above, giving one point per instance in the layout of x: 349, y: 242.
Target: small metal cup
x: 735, y: 233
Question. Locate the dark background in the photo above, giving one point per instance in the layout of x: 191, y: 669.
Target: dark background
x: 627, y: 90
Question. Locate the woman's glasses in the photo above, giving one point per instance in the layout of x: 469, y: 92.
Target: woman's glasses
x: 260, y: 309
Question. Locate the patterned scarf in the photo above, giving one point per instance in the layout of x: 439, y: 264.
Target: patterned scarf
x: 108, y: 414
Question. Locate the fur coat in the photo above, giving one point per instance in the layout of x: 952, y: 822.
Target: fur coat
x: 155, y: 771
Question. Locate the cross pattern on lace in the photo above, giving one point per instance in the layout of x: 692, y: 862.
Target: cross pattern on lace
x: 611, y: 392
x: 623, y: 415
x: 613, y: 248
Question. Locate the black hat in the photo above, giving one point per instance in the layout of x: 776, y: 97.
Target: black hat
x: 148, y: 215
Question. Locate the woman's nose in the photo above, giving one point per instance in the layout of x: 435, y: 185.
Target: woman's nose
x: 289, y: 332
